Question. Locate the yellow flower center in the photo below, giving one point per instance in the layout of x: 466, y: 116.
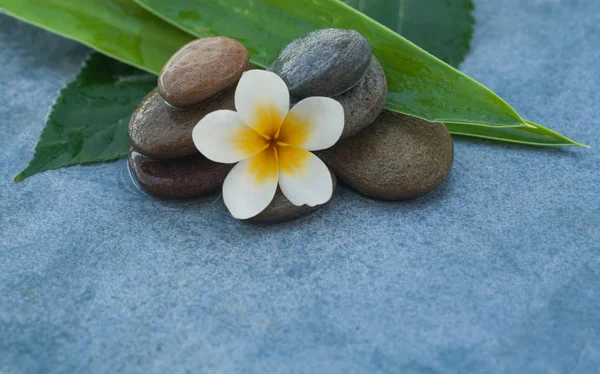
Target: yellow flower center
x: 267, y: 121
x: 276, y: 141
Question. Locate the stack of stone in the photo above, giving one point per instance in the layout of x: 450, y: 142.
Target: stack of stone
x: 382, y: 154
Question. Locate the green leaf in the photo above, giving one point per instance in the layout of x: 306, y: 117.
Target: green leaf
x: 420, y: 85
x: 88, y: 123
x: 442, y: 28
x: 535, y: 135
x: 118, y: 28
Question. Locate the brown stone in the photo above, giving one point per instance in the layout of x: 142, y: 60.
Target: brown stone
x: 161, y: 131
x: 202, y: 69
x: 396, y: 158
x: 281, y: 209
x: 185, y: 177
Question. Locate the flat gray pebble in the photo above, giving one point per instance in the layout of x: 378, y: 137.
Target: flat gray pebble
x: 364, y: 103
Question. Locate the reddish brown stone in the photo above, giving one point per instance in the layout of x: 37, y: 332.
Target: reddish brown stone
x: 202, y: 69
x: 191, y: 176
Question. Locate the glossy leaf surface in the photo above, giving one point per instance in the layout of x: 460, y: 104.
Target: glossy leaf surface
x: 420, y: 85
x: 441, y: 27
x: 118, y: 28
x: 88, y: 123
x: 536, y: 135
x: 444, y: 29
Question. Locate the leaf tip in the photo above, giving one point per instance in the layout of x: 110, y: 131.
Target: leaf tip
x: 18, y: 178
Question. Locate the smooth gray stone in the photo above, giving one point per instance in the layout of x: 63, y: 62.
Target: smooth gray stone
x: 324, y: 62
x: 397, y: 158
x: 363, y: 103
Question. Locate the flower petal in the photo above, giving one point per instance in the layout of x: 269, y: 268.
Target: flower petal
x: 222, y: 136
x: 251, y: 184
x: 303, y: 177
x: 262, y: 100
x: 314, y: 123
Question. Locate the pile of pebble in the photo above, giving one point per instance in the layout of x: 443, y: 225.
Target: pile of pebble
x: 382, y: 154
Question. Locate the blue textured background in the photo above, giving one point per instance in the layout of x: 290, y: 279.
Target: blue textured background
x: 496, y: 272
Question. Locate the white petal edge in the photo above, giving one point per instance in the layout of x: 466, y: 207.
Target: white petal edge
x: 259, y: 88
x: 311, y: 186
x: 243, y: 197
x: 213, y: 135
x: 324, y: 117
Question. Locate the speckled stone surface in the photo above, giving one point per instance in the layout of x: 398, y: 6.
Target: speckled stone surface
x: 201, y: 69
x: 161, y: 131
x: 363, y: 103
x: 397, y: 158
x: 496, y: 272
x: 324, y: 62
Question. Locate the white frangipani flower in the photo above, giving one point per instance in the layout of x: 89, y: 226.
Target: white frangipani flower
x: 271, y: 144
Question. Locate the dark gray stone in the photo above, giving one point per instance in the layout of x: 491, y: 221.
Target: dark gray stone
x: 294, y: 100
x: 161, y: 131
x: 363, y: 103
x: 281, y: 209
x: 191, y: 176
x: 202, y: 69
x: 397, y: 158
x: 324, y: 62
